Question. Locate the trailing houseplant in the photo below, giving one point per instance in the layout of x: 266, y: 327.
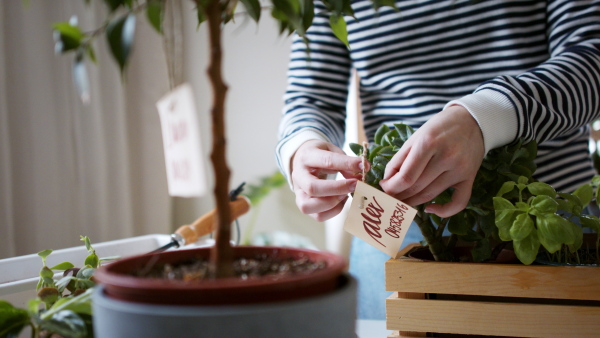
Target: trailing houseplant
x: 62, y: 307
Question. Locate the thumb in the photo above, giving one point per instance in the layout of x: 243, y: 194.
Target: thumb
x: 460, y: 199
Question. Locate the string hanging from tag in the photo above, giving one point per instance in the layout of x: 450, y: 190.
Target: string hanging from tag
x: 364, y: 171
x: 173, y: 42
x: 364, y: 160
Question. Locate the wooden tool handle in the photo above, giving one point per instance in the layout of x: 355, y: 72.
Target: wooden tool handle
x: 206, y: 223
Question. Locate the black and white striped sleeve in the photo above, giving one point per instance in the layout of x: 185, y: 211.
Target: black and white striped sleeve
x: 555, y: 98
x: 317, y: 89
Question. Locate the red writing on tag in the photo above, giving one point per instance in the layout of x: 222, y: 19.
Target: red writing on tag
x: 182, y: 169
x: 178, y: 132
x: 396, y: 221
x: 372, y: 221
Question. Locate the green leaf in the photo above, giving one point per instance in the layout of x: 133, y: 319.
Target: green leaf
x: 543, y: 205
x: 87, y: 242
x: 539, y: 188
x: 555, y: 228
x: 66, y: 323
x: 574, y: 203
x: 505, y: 214
x: 372, y: 153
x: 66, y: 37
x: 356, y: 148
x: 527, y: 249
x: 155, y: 14
x: 338, y: 25
x: 33, y: 306
x: 596, y: 180
x: 44, y: 254
x: 522, y: 180
x: 46, y: 272
x: 590, y: 221
x: 256, y: 193
x: 63, y: 266
x: 585, y: 194
x: 521, y: 227
x: 253, y: 8
x: 389, y: 137
x: 92, y: 260
x: 78, y: 304
x: 86, y: 272
x: 382, y: 130
x: 308, y: 13
x: 457, y: 224
x: 404, y: 131
x: 12, y: 319
x: 507, y: 186
x: 550, y: 245
x: 120, y: 33
x: 201, y: 11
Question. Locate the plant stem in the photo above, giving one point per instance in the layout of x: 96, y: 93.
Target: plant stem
x: 436, y: 245
x: 221, y: 257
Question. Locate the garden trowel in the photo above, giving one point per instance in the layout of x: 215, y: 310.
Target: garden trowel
x: 188, y: 234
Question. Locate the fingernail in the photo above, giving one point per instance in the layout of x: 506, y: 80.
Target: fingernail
x: 361, y: 166
x: 352, y: 186
x: 342, y: 197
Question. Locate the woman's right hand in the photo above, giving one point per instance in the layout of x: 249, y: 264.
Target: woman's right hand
x: 317, y: 196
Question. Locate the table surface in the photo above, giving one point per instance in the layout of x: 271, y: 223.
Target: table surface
x: 371, y: 329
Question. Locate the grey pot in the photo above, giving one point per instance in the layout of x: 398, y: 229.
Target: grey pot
x: 329, y: 315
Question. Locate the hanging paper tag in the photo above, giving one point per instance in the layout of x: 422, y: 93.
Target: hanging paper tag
x: 378, y: 219
x: 181, y: 141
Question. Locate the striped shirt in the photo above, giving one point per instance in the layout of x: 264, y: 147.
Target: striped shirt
x: 523, y: 69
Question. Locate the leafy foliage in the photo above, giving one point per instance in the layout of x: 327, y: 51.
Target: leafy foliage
x: 62, y: 307
x: 543, y: 218
x: 119, y: 28
x: 475, y: 223
x: 507, y: 204
x: 256, y: 194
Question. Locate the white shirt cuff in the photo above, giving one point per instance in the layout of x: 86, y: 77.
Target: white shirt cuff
x: 495, y: 115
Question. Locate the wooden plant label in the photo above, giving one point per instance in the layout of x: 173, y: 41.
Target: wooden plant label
x: 378, y: 219
x: 181, y: 141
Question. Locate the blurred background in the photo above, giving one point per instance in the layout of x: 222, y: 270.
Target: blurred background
x: 69, y: 169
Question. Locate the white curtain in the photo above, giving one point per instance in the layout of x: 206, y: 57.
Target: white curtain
x: 67, y: 169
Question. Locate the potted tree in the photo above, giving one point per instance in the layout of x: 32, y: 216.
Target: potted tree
x: 460, y: 294
x: 119, y: 305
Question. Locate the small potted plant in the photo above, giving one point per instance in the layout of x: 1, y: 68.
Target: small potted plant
x: 461, y: 294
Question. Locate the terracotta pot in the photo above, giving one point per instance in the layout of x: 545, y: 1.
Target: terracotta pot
x: 319, y: 304
x: 118, y: 284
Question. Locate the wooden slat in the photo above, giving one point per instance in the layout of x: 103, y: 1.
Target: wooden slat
x: 410, y: 296
x: 488, y: 318
x: 505, y: 280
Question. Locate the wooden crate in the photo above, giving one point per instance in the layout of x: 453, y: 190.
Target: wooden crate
x: 506, y: 300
